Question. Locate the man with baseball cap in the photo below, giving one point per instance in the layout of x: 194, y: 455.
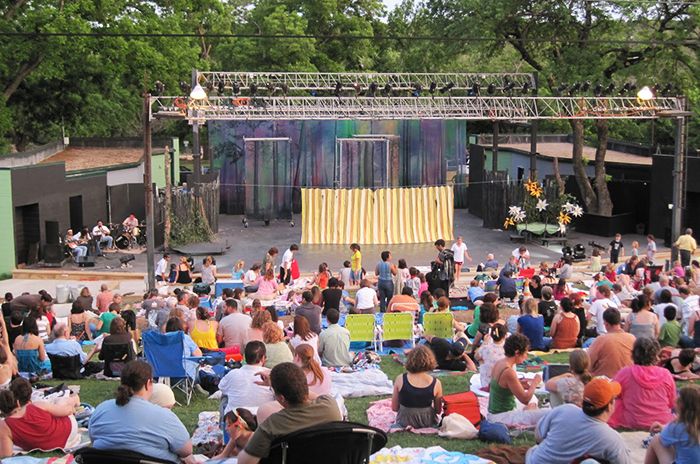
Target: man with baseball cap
x: 569, y: 432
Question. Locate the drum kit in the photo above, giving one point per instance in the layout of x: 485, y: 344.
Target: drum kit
x: 129, y: 239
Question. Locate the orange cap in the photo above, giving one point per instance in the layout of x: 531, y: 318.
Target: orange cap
x: 601, y: 391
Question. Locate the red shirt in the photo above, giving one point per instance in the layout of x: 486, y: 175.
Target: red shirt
x: 103, y: 300
x: 39, y: 429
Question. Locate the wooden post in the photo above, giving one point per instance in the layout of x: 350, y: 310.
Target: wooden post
x: 148, y: 189
x: 168, y: 200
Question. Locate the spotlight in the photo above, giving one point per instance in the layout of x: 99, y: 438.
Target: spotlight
x: 357, y: 87
x: 432, y: 88
x: 625, y: 88
x: 585, y: 87
x: 270, y: 87
x: 373, y: 89
x: 253, y: 89
x: 491, y: 89
x: 284, y: 88
x: 574, y: 88
x: 387, y: 89
x: 667, y: 90
x: 159, y: 88
x: 221, y: 88
x: 598, y: 89
x: 338, y: 88
x: 447, y: 87
x: 236, y: 88
x: 526, y: 88
x: 417, y: 89
x: 645, y: 94
x: 610, y: 89
x: 561, y: 88
x: 313, y: 91
x: 633, y: 87
x: 210, y: 86
x: 476, y: 89
x: 185, y: 88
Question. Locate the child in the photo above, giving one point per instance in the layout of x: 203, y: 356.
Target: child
x: 423, y: 283
x: 356, y: 264
x: 678, y: 440
x: 346, y: 303
x: 678, y: 269
x: 617, y: 249
x: 595, y: 260
x: 610, y: 273
x: 670, y: 333
x: 635, y: 248
x: 651, y: 248
x: 238, y: 272
x: 404, y: 273
x: 491, y: 285
x: 345, y: 274
x: 443, y: 306
x: 680, y: 364
x: 173, y: 273
x: 475, y: 291
x: 413, y: 282
x: 490, y: 353
x: 322, y: 276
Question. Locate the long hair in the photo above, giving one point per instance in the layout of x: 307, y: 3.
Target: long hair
x: 302, y: 327
x: 580, y: 364
x: 688, y: 406
x: 305, y: 353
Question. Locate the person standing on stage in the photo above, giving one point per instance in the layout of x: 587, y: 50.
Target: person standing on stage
x: 686, y: 246
x: 460, y: 251
x: 443, y: 268
x: 286, y: 266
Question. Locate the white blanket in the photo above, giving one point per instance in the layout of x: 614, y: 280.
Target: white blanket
x: 368, y: 382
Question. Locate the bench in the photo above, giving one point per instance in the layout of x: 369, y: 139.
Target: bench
x: 556, y: 240
x: 517, y: 238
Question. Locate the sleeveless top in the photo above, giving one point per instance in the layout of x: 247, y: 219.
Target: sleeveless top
x: 639, y: 329
x: 500, y: 399
x: 206, y: 339
x: 567, y: 333
x: 208, y: 275
x: 385, y: 271
x: 414, y: 397
x: 39, y: 429
x: 78, y: 330
x: 183, y: 276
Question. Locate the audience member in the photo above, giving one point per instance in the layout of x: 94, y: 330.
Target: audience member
x: 565, y: 327
x: 670, y: 334
x: 598, y: 308
x: 29, y: 349
x: 332, y: 295
x: 276, y: 348
x: 334, y: 343
x: 568, y: 388
x: 489, y: 354
x: 531, y: 324
x: 366, y: 299
x: 303, y: 335
x: 318, y: 377
x: 233, y: 328
x: 417, y: 396
x: 642, y: 322
x: 240, y: 387
x: 310, y: 311
x: 612, y: 351
x: 679, y: 441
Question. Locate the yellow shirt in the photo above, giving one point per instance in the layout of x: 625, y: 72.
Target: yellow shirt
x: 686, y: 242
x: 206, y: 339
x: 356, y: 261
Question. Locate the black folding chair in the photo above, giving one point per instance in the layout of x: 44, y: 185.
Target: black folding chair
x: 90, y: 455
x: 336, y: 442
x: 65, y: 367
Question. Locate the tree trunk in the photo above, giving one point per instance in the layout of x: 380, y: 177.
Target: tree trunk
x: 589, y: 197
x: 605, y: 205
x: 24, y: 71
x: 168, y: 201
x: 557, y: 176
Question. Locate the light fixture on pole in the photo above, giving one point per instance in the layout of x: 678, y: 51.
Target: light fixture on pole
x: 645, y: 94
x: 198, y: 93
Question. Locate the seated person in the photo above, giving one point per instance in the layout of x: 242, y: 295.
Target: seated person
x: 443, y: 306
x: 476, y: 291
x: 547, y: 307
x: 531, y: 324
x: 132, y: 422
x: 334, y: 343
x: 670, y: 334
x: 568, y: 388
x: 417, y: 396
x: 74, y: 246
x: 62, y: 346
x: 403, y: 302
x: 678, y: 441
x: 191, y: 349
x: 488, y: 316
x: 240, y: 425
x: 680, y: 364
x: 118, y: 343
x: 42, y: 425
x: 489, y: 264
x: 267, y: 287
x: 473, y: 328
x: 506, y: 387
x: 506, y: 285
x: 569, y: 433
x: 565, y: 327
x: 29, y: 349
x: 239, y: 385
x: 648, y: 391
x: 290, y: 388
x: 490, y: 353
x: 318, y: 377
x: 7, y: 366
x: 611, y: 351
x: 276, y: 348
x: 450, y: 356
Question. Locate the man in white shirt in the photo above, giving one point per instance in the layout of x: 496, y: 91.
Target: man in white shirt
x: 459, y: 249
x: 599, y: 306
x: 234, y: 327
x: 690, y: 305
x: 240, y: 386
x: 162, y: 268
x: 286, y: 266
x: 102, y: 235
x: 523, y: 257
x: 366, y: 298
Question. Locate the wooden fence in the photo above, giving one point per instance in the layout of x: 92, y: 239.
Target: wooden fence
x: 499, y: 193
x: 183, y: 204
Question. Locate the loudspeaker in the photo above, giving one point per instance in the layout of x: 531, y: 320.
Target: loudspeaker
x: 85, y: 261
x: 53, y: 253
x: 52, y: 234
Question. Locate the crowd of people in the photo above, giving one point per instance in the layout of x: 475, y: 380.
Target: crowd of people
x: 632, y: 335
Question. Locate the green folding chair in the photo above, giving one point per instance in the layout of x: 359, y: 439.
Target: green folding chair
x: 361, y: 328
x: 398, y: 326
x: 438, y: 325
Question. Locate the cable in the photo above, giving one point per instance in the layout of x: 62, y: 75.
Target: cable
x: 419, y: 38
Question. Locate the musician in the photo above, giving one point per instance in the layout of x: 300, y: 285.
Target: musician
x: 130, y: 223
x: 101, y: 233
x: 84, y: 238
x: 74, y: 245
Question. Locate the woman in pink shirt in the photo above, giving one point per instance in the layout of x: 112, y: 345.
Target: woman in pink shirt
x: 648, y: 391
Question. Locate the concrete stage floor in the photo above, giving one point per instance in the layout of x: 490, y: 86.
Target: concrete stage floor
x: 251, y: 244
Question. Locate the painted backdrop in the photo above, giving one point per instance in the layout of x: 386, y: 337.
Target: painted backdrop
x: 424, y: 148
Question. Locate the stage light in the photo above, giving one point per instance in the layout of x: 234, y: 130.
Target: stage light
x: 667, y: 90
x: 610, y: 89
x: 236, y: 88
x: 313, y: 91
x: 447, y: 87
x: 561, y: 88
x: 357, y: 87
x: 253, y: 89
x: 491, y: 89
x: 210, y: 86
x: 373, y: 89
x: 221, y: 88
x: 625, y: 88
x: 185, y: 88
x: 476, y: 89
x: 284, y: 88
x: 338, y: 88
x: 526, y: 88
x: 585, y: 87
x: 432, y: 88
x: 574, y: 88
x: 598, y: 89
x: 417, y: 89
x: 159, y: 88
x: 645, y: 94
x: 198, y: 93
x: 387, y: 89
x: 270, y: 88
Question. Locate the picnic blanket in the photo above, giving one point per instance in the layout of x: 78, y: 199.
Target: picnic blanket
x: 634, y: 440
x: 367, y: 382
x: 81, y: 440
x: 432, y: 455
x: 380, y: 415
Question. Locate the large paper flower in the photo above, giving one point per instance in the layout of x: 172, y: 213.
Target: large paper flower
x: 514, y: 211
x: 509, y: 222
x: 567, y: 207
x: 541, y: 204
x: 577, y: 211
x: 562, y: 229
x: 564, y: 218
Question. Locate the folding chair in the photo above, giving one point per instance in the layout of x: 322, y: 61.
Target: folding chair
x: 398, y: 326
x: 361, y: 328
x: 65, y: 367
x: 90, y: 455
x: 166, y: 354
x: 438, y: 325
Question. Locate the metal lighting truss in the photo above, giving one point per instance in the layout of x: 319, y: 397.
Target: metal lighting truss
x: 218, y: 108
x: 266, y: 82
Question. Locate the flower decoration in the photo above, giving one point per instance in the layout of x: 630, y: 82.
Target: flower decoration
x: 564, y: 218
x: 577, y: 211
x: 562, y: 229
x: 534, y: 188
x: 509, y: 222
x: 541, y: 205
x: 516, y: 213
x: 567, y: 207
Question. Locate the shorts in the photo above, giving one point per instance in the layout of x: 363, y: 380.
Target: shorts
x: 459, y: 262
x: 356, y: 275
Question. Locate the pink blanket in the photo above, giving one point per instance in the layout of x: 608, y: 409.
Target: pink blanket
x: 380, y: 415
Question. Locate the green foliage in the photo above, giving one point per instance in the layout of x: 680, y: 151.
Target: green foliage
x: 189, y: 226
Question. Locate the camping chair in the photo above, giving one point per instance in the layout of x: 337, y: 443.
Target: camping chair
x: 65, y: 367
x: 337, y: 442
x: 361, y: 328
x: 438, y: 325
x: 166, y: 354
x: 398, y: 326
x: 90, y: 455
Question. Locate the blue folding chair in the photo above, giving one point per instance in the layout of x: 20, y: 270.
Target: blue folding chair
x: 166, y: 355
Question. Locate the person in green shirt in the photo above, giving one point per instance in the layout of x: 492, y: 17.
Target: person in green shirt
x: 474, y: 326
x: 670, y: 333
x: 107, y: 318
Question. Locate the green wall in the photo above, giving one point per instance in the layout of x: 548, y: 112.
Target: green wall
x: 176, y: 161
x: 7, y: 231
x: 504, y: 160
x: 158, y: 169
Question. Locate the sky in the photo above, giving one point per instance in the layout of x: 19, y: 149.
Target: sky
x: 391, y: 4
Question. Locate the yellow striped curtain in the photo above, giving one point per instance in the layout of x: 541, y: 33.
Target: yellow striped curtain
x: 373, y: 217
